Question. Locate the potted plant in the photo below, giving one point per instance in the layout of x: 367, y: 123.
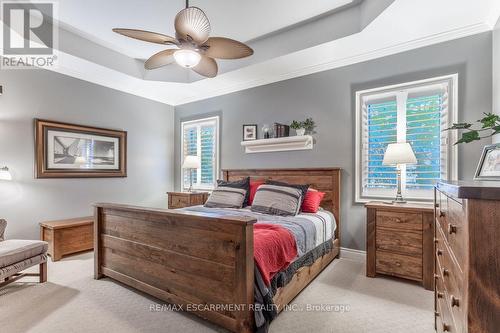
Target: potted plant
x: 303, y: 127
x: 489, y: 164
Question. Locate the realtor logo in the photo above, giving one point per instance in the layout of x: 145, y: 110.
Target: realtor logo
x: 29, y: 34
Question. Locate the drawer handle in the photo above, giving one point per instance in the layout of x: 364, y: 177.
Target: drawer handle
x: 454, y: 301
x: 439, y: 252
x: 446, y: 327
x: 445, y: 272
x: 440, y: 295
x: 397, y: 263
x: 398, y: 220
x: 452, y: 229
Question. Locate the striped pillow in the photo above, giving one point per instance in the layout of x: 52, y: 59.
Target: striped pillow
x: 226, y: 197
x: 277, y: 200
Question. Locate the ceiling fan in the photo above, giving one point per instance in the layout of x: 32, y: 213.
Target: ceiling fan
x: 194, y: 48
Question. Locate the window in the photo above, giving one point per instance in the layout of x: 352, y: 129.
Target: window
x: 201, y: 138
x: 416, y: 113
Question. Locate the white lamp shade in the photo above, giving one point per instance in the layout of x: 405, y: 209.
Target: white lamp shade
x: 5, y: 174
x: 399, y: 153
x: 191, y: 162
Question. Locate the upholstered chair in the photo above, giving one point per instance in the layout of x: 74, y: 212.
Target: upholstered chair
x: 17, y: 255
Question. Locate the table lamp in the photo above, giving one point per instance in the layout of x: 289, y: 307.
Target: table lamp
x: 399, y: 154
x: 191, y: 162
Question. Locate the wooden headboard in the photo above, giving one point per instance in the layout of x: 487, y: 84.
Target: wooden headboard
x: 322, y: 179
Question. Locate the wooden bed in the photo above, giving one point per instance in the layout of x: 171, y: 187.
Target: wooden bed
x: 202, y: 262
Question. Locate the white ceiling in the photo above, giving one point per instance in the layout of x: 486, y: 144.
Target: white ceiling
x: 404, y: 25
x: 242, y: 20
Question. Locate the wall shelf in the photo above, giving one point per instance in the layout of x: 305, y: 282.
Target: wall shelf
x: 288, y: 143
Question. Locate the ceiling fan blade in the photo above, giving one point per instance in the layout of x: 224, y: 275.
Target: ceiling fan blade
x: 226, y: 48
x: 160, y: 59
x: 206, y: 67
x: 147, y: 36
x: 191, y: 24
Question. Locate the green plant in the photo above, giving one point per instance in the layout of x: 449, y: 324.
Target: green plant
x: 309, y: 125
x: 491, y: 123
x: 296, y: 124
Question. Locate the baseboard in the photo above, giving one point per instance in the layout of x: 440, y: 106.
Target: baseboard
x: 352, y: 254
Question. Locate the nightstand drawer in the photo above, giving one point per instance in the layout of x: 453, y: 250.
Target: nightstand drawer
x: 401, y: 241
x: 397, y: 220
x: 179, y: 201
x: 186, y: 199
x: 399, y: 265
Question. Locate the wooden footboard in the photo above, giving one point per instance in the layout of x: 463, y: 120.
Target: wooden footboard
x: 201, y: 262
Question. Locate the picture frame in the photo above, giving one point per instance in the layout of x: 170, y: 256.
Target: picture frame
x: 74, y: 151
x: 249, y: 132
x: 489, y: 164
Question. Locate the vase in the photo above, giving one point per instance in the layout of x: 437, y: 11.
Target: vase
x: 300, y: 131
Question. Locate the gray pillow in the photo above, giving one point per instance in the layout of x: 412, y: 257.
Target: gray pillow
x: 277, y: 200
x: 226, y: 197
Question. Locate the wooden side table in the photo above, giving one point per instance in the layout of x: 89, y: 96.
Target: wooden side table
x: 68, y: 236
x: 186, y: 199
x: 400, y: 241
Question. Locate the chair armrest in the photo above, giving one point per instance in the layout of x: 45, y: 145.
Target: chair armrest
x: 3, y: 225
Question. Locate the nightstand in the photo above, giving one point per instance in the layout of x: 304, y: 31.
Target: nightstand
x: 400, y: 241
x: 186, y: 199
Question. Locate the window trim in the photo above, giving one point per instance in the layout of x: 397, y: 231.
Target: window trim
x: 453, y: 136
x: 217, y: 151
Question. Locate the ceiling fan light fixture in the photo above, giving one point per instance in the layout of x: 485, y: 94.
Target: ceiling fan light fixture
x: 187, y: 58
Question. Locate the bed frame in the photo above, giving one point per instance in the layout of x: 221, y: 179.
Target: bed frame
x: 202, y: 262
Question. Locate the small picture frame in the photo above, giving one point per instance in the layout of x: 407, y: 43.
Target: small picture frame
x: 489, y: 164
x: 249, y: 132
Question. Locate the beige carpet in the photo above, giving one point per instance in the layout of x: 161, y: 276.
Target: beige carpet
x: 72, y: 301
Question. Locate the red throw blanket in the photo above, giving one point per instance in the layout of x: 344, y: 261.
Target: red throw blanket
x: 274, y: 249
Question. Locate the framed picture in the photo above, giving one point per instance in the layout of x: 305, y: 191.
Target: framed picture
x: 489, y: 164
x: 249, y: 132
x: 74, y: 151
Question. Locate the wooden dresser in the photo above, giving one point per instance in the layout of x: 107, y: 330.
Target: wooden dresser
x: 467, y: 257
x: 186, y: 199
x: 399, y: 241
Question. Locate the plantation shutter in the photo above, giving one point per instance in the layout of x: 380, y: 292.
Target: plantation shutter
x: 380, y: 129
x: 426, y: 117
x: 200, y: 138
x: 414, y: 113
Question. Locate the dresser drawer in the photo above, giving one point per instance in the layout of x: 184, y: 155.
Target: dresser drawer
x: 444, y: 319
x: 399, y: 265
x: 450, y: 280
x: 397, y: 220
x: 456, y: 232
x: 402, y: 241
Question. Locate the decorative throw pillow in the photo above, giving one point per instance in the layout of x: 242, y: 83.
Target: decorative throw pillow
x: 303, y: 188
x: 226, y: 197
x: 277, y: 200
x: 254, y: 185
x: 312, y: 201
x: 243, y: 183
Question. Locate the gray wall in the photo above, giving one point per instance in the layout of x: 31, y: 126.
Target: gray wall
x: 30, y: 94
x: 496, y: 74
x: 329, y: 98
